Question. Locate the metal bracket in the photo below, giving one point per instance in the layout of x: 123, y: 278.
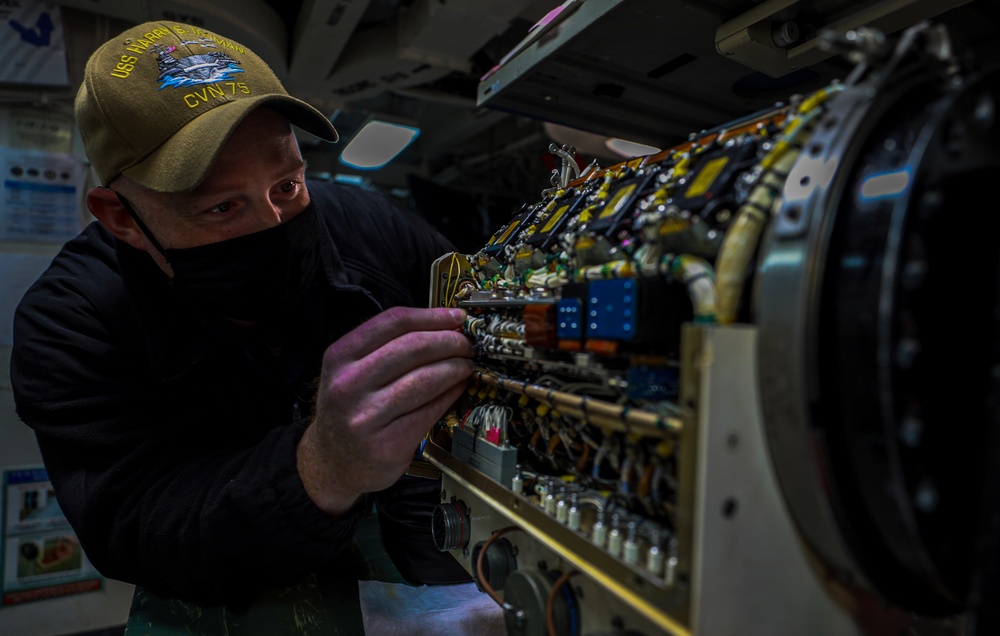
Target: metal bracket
x: 766, y: 41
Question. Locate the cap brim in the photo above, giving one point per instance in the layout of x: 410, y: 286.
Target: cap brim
x: 183, y: 161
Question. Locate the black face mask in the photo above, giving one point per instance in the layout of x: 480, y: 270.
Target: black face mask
x: 254, y: 278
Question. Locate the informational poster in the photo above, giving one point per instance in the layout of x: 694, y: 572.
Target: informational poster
x: 42, y: 196
x: 37, y: 129
x: 41, y: 556
x: 32, y: 45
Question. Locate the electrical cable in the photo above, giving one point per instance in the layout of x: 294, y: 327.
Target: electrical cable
x: 482, y: 557
x: 551, y: 601
x: 603, y: 414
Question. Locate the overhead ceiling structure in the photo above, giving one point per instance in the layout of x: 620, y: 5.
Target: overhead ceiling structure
x: 417, y: 61
x: 651, y: 71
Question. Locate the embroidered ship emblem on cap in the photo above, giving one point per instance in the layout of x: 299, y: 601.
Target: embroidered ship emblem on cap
x: 202, y: 68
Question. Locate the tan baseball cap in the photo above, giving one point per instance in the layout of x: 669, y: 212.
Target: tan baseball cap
x: 159, y: 102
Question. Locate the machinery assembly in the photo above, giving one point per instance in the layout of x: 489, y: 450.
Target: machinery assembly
x: 728, y: 388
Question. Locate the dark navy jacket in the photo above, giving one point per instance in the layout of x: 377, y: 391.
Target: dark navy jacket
x: 170, y: 437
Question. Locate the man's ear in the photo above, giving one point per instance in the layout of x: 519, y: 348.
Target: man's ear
x: 109, y: 211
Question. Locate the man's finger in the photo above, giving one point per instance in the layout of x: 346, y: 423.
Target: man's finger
x: 391, y: 324
x: 402, y: 436
x: 423, y: 386
x: 410, y: 352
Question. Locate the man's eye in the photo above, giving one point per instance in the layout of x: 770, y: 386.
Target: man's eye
x: 222, y: 208
x: 288, y: 187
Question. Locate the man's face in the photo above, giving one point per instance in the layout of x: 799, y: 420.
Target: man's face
x: 257, y: 182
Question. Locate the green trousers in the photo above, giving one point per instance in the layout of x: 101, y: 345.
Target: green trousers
x: 313, y: 606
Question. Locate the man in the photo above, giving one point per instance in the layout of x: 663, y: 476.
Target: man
x: 229, y: 369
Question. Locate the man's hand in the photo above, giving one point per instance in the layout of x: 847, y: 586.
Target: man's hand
x: 383, y: 386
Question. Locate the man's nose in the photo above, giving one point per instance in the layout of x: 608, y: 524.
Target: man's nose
x: 268, y: 212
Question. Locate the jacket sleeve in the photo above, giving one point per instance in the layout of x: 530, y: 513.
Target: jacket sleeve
x: 163, y: 492
x: 391, y: 248
x: 392, y: 252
